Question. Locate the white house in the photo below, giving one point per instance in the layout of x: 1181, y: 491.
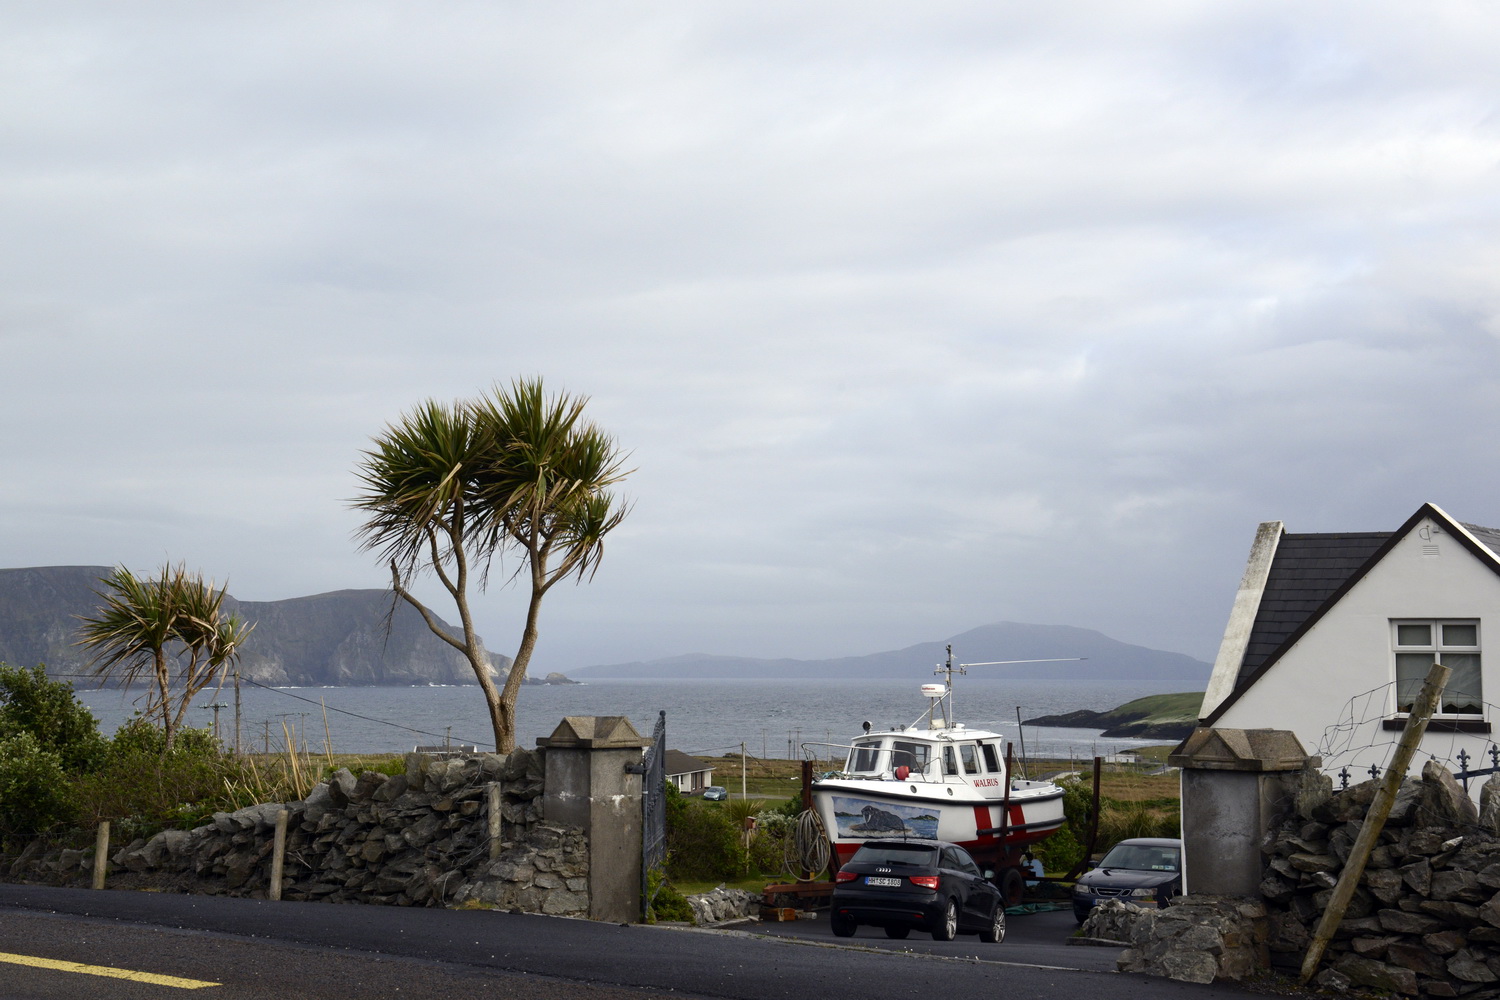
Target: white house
x: 687, y: 772
x: 1332, y: 634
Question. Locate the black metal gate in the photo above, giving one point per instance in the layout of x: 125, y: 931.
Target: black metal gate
x: 653, y: 815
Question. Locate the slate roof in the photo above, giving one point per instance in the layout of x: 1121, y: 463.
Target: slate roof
x: 1307, y: 571
x: 1489, y: 536
x: 677, y: 762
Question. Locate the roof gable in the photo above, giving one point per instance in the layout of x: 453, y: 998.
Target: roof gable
x: 1310, y: 574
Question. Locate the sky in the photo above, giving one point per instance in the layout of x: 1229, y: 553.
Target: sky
x: 911, y: 317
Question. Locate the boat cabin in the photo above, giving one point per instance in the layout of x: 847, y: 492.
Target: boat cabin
x: 973, y: 758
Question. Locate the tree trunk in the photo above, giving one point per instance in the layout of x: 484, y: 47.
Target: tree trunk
x: 480, y: 662
x: 517, y: 676
x: 169, y: 731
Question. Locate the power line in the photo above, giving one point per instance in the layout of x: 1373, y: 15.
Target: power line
x: 320, y: 704
x: 345, y: 711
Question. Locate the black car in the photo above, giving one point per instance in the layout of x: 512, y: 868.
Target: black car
x: 1140, y: 871
x: 931, y: 885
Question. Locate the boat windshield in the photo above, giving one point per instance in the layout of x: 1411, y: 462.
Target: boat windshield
x: 912, y: 755
x: 864, y: 757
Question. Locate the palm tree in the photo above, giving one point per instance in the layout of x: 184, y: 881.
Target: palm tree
x: 448, y: 487
x: 172, y: 628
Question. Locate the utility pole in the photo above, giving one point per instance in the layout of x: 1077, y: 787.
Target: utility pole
x: 236, y: 712
x: 216, y: 706
x: 743, y: 782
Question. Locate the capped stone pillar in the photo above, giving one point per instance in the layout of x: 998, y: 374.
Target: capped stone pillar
x: 1234, y: 786
x: 593, y: 782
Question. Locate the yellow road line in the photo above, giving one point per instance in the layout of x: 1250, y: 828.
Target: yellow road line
x: 104, y: 970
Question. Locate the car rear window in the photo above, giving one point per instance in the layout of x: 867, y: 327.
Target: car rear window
x: 898, y: 854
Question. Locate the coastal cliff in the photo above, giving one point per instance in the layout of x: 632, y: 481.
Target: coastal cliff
x: 347, y: 637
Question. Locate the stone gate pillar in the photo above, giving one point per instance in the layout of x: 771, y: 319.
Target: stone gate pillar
x: 1233, y: 788
x: 590, y: 785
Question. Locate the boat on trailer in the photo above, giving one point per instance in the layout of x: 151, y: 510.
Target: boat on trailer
x: 940, y: 780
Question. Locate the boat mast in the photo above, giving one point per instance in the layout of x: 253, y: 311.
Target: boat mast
x: 946, y: 669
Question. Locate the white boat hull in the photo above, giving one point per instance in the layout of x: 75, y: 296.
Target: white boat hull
x: 991, y: 829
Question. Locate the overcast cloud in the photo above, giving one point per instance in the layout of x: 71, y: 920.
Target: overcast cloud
x: 913, y: 317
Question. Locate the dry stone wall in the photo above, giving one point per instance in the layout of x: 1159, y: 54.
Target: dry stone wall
x: 1424, y: 920
x: 1426, y: 916
x: 415, y: 839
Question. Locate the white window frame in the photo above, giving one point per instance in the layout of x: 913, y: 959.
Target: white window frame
x: 1436, y: 650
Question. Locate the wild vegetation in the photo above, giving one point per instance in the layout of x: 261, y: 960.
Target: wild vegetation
x: 59, y: 777
x: 708, y: 843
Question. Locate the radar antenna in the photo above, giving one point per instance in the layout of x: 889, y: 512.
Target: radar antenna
x: 947, y: 669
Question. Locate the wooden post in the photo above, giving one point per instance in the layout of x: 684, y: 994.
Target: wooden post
x: 101, y: 854
x: 236, y: 713
x: 1005, y: 850
x: 278, y: 855
x: 1369, y: 832
x: 495, y: 817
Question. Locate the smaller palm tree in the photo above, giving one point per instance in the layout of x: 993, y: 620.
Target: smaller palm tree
x: 170, y: 628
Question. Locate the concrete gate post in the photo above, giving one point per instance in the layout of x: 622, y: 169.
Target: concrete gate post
x: 1233, y: 789
x: 590, y: 785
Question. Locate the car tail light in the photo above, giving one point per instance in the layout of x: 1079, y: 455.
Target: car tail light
x: 925, y: 881
x: 844, y: 876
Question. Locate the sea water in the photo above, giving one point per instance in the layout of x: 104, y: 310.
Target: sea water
x: 706, y: 718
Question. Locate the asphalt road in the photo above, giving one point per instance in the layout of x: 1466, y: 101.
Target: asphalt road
x: 317, y: 950
x: 1039, y: 939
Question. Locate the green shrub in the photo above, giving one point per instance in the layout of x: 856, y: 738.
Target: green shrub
x: 144, y: 788
x: 666, y: 903
x: 140, y: 736
x: 1059, y: 852
x: 32, y: 703
x: 768, y: 847
x: 35, y: 794
x: 703, y: 845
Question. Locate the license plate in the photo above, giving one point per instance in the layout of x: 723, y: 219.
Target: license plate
x: 875, y: 880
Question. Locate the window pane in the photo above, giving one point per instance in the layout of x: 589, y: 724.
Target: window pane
x: 1411, y: 671
x: 1463, y: 695
x: 970, y: 758
x: 1460, y: 635
x: 1414, y: 635
x: 991, y: 759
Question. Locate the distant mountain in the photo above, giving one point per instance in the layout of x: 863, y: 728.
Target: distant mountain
x: 1107, y: 659
x: 338, y: 638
